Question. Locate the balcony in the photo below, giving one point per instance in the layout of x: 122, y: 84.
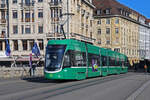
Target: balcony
x: 32, y: 19
x: 27, y: 19
x: 59, y: 34
x: 55, y: 4
x: 55, y: 20
x: 50, y: 35
x: 54, y: 35
x: 3, y: 21
x: 27, y: 5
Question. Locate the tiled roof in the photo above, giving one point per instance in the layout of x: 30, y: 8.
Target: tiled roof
x: 114, y: 5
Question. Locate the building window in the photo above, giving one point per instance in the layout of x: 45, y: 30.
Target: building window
x: 91, y: 23
x: 99, y: 31
x: 52, y: 13
x: 41, y: 44
x: 31, y: 43
x: 15, y: 42
x: 107, y: 11
x: 99, y: 22
x: 27, y: 17
x: 32, y: 17
x: 22, y: 29
x: 27, y: 30
x: 3, y: 33
x: 78, y: 8
x: 14, y: 1
x: 117, y: 49
x: 117, y: 39
x: 24, y: 44
x: 15, y: 29
x: 107, y: 42
x: 15, y: 14
x: 22, y: 15
x: 40, y: 29
x: 40, y: 0
x: 40, y: 14
x: 60, y: 12
x: 3, y: 15
x: 108, y: 21
x: 1, y: 45
x: 99, y: 41
x: 107, y: 30
x: 98, y: 12
x: 116, y: 30
x: 116, y: 21
x: 27, y: 2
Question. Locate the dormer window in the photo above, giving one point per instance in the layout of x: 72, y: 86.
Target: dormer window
x: 120, y: 10
x: 98, y: 12
x: 127, y: 14
x: 108, y: 11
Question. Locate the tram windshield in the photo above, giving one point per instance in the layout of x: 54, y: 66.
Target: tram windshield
x: 54, y: 56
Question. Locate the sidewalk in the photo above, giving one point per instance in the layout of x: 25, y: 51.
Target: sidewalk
x: 143, y: 92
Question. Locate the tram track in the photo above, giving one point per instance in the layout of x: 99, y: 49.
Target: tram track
x: 59, y: 89
x: 75, y: 87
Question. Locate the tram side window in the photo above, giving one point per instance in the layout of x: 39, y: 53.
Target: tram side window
x: 93, y: 59
x: 117, y: 62
x: 126, y: 63
x: 78, y: 58
x: 122, y: 63
x: 104, y: 60
x: 111, y: 61
x: 67, y: 62
x: 84, y: 58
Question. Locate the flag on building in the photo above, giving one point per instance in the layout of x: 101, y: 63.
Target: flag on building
x: 8, y: 51
x: 36, y: 50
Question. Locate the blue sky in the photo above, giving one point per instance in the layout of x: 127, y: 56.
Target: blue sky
x: 141, y: 6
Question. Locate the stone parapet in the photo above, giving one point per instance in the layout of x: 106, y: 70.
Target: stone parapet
x: 19, y: 72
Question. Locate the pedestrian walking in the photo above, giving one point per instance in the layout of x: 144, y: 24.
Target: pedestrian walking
x: 34, y: 68
x: 30, y: 64
x: 145, y: 67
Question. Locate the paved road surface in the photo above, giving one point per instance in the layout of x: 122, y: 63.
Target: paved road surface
x: 115, y: 87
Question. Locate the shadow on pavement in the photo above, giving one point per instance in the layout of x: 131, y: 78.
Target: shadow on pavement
x: 44, y: 80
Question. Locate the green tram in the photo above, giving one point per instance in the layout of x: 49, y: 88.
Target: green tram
x: 72, y: 59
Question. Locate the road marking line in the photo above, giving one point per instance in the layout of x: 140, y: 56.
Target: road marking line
x: 140, y: 90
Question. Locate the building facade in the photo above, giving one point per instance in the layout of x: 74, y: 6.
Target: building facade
x: 144, y: 38
x: 30, y: 21
x: 77, y: 18
x: 118, y: 29
x: 3, y: 23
